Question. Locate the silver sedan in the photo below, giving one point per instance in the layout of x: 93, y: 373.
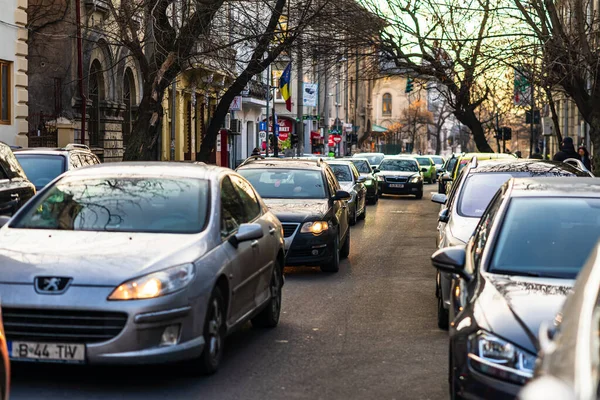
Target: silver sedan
x: 139, y: 263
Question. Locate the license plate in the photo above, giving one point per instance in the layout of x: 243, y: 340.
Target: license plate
x: 32, y: 351
x: 396, y: 185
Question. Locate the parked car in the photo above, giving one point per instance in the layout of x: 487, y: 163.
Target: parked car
x: 43, y: 165
x: 400, y: 175
x: 439, y: 163
x: 351, y: 181
x: 428, y: 169
x: 514, y: 273
x: 469, y: 197
x: 312, y: 207
x: 444, y: 179
x: 374, y: 158
x: 139, y: 263
x: 365, y: 170
x: 567, y: 366
x: 15, y: 188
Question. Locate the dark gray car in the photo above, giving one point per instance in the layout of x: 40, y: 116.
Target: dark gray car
x: 351, y: 181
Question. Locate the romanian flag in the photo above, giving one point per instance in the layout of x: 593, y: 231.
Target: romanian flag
x: 284, y: 86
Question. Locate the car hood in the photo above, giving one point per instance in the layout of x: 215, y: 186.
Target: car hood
x: 92, y: 258
x: 298, y: 210
x: 397, y: 173
x: 514, y: 307
x: 462, y: 227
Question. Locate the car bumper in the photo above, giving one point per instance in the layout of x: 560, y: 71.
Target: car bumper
x: 139, y: 340
x: 478, y: 386
x: 408, y: 188
x: 308, y: 249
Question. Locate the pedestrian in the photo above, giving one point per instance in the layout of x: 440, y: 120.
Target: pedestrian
x: 518, y: 154
x: 584, y: 156
x: 567, y: 150
x: 256, y: 151
x: 537, y: 155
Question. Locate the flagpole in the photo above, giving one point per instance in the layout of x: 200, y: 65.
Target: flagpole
x: 268, y: 96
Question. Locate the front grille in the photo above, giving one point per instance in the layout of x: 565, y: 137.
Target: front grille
x: 396, y: 179
x: 289, y: 229
x: 65, y: 326
x: 306, y: 253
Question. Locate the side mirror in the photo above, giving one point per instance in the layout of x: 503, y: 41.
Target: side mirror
x: 4, y: 220
x: 439, y: 198
x: 424, y: 169
x: 361, y: 179
x: 444, y: 216
x: 341, y: 195
x: 376, y: 170
x: 245, y: 233
x: 446, y: 177
x: 451, y: 260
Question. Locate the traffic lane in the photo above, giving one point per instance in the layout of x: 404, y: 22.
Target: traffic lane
x: 368, y: 331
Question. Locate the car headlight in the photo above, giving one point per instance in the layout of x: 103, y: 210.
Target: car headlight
x: 315, y: 227
x: 155, y: 284
x: 380, y: 178
x: 415, y: 179
x: 499, y: 358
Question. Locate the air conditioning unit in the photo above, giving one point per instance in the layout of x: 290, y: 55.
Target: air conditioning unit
x: 236, y: 125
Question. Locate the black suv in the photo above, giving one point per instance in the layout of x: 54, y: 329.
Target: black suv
x: 42, y: 164
x: 307, y: 199
x: 15, y: 188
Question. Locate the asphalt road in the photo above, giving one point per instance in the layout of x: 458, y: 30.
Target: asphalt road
x: 367, y: 332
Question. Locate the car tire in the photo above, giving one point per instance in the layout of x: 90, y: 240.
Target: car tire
x: 269, y: 316
x: 419, y: 195
x: 363, y: 215
x: 345, y: 250
x: 334, y: 264
x: 442, y: 313
x: 353, y: 217
x: 214, y: 334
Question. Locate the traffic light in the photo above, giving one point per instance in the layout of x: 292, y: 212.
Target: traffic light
x: 294, y: 140
x: 409, y: 85
x: 506, y: 133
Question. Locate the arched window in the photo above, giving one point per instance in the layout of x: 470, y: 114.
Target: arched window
x: 95, y: 94
x: 386, y: 104
x: 129, y: 98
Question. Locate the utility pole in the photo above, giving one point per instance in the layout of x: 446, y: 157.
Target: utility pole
x: 498, y: 132
x: 326, y: 114
x: 268, y: 140
x: 355, y: 123
x: 300, y: 105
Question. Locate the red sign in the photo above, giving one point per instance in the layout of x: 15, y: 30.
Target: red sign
x: 285, y: 126
x: 283, y: 136
x: 337, y: 138
x: 315, y: 135
x: 330, y: 143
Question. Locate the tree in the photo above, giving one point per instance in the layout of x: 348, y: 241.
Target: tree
x: 415, y: 121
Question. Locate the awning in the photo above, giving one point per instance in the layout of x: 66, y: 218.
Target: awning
x: 378, y: 128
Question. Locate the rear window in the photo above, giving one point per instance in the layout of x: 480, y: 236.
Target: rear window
x: 121, y: 204
x: 279, y: 183
x: 341, y: 172
x: 478, y: 191
x: 362, y: 166
x: 41, y: 169
x: 424, y: 161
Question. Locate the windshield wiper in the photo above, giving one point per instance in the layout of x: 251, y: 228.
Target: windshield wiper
x: 524, y: 273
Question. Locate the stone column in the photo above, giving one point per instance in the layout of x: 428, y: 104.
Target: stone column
x: 21, y: 110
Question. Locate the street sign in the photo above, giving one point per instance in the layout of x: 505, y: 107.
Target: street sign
x: 262, y: 126
x: 336, y: 138
x: 236, y: 104
x: 310, y: 93
x: 262, y: 135
x: 330, y: 143
x: 283, y: 136
x: 276, y: 129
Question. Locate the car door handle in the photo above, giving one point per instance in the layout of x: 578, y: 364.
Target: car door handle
x: 271, y: 231
x: 14, y: 195
x: 254, y: 244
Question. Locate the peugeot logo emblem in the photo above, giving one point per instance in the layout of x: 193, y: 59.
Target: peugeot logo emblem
x: 51, y: 284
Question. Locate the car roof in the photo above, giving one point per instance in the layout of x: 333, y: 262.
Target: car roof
x: 283, y: 163
x: 487, y: 156
x: 400, y: 157
x: 368, y: 153
x: 555, y: 187
x: 150, y: 168
x: 524, y: 165
x: 339, y: 162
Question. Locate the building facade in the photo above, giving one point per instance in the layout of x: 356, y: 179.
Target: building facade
x: 13, y: 72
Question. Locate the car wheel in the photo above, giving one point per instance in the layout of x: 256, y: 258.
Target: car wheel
x: 334, y: 264
x: 269, y: 316
x: 442, y: 313
x: 363, y: 215
x: 345, y: 250
x: 353, y: 217
x: 419, y: 195
x: 214, y: 333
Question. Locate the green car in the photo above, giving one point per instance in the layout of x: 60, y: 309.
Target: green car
x: 428, y: 168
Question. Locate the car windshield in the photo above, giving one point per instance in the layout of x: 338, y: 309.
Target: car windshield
x: 279, y: 183
x: 450, y: 164
x: 424, y: 161
x: 399, y: 165
x: 437, y: 160
x: 342, y: 172
x: 547, y: 236
x: 374, y: 159
x: 41, y: 169
x: 478, y: 191
x: 362, y: 166
x: 120, y: 204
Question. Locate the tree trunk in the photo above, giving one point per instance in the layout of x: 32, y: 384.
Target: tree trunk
x: 438, y: 144
x: 143, y: 141
x: 554, y: 114
x: 595, y: 138
x: 469, y: 119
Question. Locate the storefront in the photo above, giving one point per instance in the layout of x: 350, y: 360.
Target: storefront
x: 285, y: 129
